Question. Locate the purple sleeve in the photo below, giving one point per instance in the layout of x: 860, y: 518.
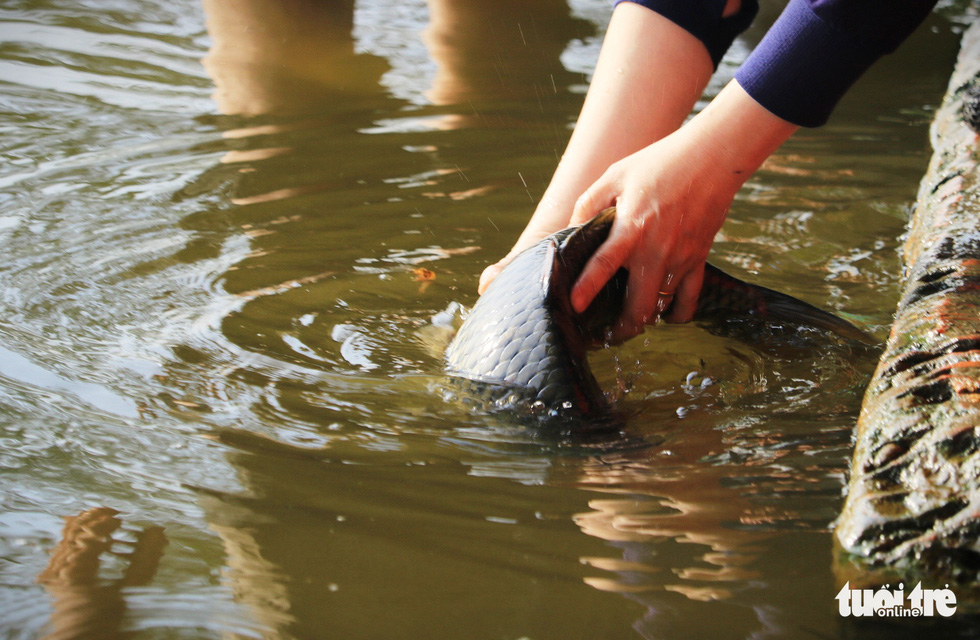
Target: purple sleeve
x: 703, y: 20
x: 818, y: 48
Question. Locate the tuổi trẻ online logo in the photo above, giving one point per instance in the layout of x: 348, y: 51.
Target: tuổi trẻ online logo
x: 896, y: 603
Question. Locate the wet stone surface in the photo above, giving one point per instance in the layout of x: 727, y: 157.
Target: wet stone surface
x: 913, y: 503
x: 971, y: 104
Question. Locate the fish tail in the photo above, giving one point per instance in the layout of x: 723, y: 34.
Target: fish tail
x: 725, y: 296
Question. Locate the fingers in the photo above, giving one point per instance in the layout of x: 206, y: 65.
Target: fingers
x: 532, y: 234
x: 686, y: 297
x: 644, y: 302
x: 611, y: 255
x: 646, y: 261
x: 603, y: 265
x: 490, y: 273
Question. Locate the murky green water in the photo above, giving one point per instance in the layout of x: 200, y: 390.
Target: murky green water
x: 219, y: 413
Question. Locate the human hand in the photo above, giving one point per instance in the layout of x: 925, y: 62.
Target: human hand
x: 536, y: 230
x: 671, y: 199
x: 650, y: 73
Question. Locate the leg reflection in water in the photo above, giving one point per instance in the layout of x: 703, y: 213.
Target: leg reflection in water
x: 703, y: 543
x: 87, y: 605
x: 290, y: 57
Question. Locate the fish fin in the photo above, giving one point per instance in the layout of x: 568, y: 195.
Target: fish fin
x: 725, y: 296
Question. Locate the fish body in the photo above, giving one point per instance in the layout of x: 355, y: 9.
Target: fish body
x: 523, y: 336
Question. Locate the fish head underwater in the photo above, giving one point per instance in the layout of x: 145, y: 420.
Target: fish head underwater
x: 523, y: 344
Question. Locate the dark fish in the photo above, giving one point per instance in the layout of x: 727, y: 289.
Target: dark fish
x: 523, y: 337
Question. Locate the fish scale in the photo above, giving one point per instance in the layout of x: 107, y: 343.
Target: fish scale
x: 523, y: 335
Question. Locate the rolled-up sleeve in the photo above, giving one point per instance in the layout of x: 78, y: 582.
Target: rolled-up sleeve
x: 703, y: 19
x: 817, y: 49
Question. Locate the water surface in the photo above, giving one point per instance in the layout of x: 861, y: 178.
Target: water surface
x: 228, y: 233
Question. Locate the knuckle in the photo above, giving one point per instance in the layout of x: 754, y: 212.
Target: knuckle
x: 582, y: 202
x: 605, y: 261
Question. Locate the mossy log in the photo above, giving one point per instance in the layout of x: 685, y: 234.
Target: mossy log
x: 913, y: 501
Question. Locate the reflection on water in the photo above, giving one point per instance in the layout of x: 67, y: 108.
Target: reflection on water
x: 86, y: 605
x: 219, y: 286
x: 285, y: 57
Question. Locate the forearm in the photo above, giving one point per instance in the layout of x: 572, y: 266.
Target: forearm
x: 649, y: 75
x: 736, y: 135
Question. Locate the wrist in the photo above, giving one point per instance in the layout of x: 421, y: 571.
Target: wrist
x: 738, y: 133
